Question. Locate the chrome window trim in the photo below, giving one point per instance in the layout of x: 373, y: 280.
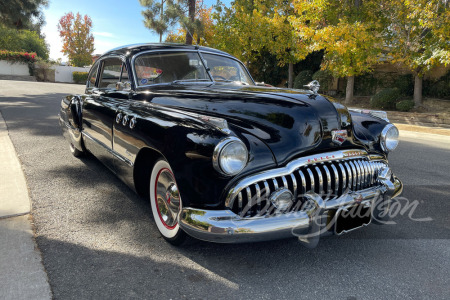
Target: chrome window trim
x: 293, y: 166
x: 100, y: 66
x: 198, y: 51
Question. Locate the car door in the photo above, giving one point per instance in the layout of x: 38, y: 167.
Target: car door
x: 100, y: 109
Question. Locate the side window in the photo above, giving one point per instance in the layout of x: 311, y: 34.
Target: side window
x: 93, y: 75
x: 111, y: 71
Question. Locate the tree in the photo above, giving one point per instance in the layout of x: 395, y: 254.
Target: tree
x: 161, y: 15
x: 158, y: 18
x: 348, y: 31
x: 22, y: 40
x: 22, y: 14
x: 417, y: 36
x: 250, y: 29
x: 78, y: 41
x: 204, y: 32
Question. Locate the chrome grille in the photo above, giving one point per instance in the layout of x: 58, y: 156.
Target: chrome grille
x: 329, y: 179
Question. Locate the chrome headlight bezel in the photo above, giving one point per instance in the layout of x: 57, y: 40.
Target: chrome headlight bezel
x: 384, y: 138
x: 219, y: 151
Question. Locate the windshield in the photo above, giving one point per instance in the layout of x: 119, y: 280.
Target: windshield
x: 176, y: 67
x: 225, y: 69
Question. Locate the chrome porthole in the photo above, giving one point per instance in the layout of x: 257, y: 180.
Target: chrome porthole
x: 125, y: 120
x: 133, y: 122
x: 118, y: 118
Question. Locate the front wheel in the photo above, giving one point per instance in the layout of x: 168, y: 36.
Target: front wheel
x: 166, y: 202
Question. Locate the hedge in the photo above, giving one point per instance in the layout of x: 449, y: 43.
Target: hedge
x: 405, y: 105
x: 14, y: 56
x: 303, y: 78
x: 80, y: 77
x: 385, y: 99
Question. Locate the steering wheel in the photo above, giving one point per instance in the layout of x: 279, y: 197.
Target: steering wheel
x: 219, y: 77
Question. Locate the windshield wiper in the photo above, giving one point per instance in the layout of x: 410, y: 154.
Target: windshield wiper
x: 190, y: 80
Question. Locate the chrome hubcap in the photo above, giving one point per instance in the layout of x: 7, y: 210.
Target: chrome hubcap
x: 167, y: 198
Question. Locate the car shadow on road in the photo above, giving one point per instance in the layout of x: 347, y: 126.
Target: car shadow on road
x: 38, y: 118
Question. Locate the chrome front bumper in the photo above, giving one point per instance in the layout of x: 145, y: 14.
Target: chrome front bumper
x: 224, y: 226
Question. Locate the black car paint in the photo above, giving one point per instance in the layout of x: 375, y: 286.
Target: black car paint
x: 277, y: 125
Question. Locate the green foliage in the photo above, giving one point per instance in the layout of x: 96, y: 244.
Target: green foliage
x: 325, y: 79
x: 22, y: 14
x: 266, y: 69
x: 80, y: 77
x: 365, y: 85
x: 385, y: 99
x: 22, y: 41
x: 405, y: 105
x: 303, y: 78
x: 405, y: 84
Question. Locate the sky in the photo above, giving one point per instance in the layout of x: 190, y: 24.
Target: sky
x: 114, y: 23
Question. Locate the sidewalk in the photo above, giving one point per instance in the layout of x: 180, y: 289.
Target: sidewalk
x: 22, y: 274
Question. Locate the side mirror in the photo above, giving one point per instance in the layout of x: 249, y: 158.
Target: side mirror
x: 123, y: 86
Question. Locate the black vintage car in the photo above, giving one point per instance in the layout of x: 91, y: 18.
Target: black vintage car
x: 225, y: 160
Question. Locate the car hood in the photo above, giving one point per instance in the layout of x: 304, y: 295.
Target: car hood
x: 289, y: 122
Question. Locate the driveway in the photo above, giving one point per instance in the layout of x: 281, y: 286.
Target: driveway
x: 98, y: 240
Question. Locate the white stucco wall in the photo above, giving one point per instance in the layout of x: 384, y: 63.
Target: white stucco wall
x: 64, y: 73
x: 17, y: 69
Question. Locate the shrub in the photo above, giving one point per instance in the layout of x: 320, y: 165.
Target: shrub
x: 14, y: 56
x: 385, y: 99
x: 405, y: 84
x: 80, y: 77
x: 43, y: 71
x: 303, y: 78
x: 22, y: 41
x: 405, y: 105
x: 439, y: 88
x: 325, y: 79
x: 365, y: 85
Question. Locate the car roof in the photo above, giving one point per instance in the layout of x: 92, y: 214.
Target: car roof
x: 129, y: 50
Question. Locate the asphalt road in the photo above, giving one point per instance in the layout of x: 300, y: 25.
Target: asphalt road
x: 98, y: 239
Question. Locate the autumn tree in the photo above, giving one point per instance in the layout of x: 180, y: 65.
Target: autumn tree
x: 417, y: 36
x: 348, y: 31
x: 250, y: 29
x: 78, y: 41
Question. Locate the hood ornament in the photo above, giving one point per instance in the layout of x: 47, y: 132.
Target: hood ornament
x: 313, y: 86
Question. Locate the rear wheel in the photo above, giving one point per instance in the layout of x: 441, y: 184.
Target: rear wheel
x: 166, y: 202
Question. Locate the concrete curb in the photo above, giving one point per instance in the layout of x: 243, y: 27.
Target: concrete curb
x: 424, y: 129
x: 23, y: 275
x: 420, y: 119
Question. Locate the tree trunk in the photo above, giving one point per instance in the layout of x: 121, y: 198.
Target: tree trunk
x: 291, y: 76
x: 349, y: 90
x: 161, y: 16
x: 417, y: 91
x: 189, y: 35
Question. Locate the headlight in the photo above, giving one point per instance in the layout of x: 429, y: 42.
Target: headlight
x: 389, y: 138
x: 230, y: 156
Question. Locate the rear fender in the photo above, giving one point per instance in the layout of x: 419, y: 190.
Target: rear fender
x: 71, y: 119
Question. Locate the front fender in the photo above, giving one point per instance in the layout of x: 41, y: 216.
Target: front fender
x: 188, y: 144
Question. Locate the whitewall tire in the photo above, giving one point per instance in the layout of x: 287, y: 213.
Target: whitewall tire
x: 166, y: 202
